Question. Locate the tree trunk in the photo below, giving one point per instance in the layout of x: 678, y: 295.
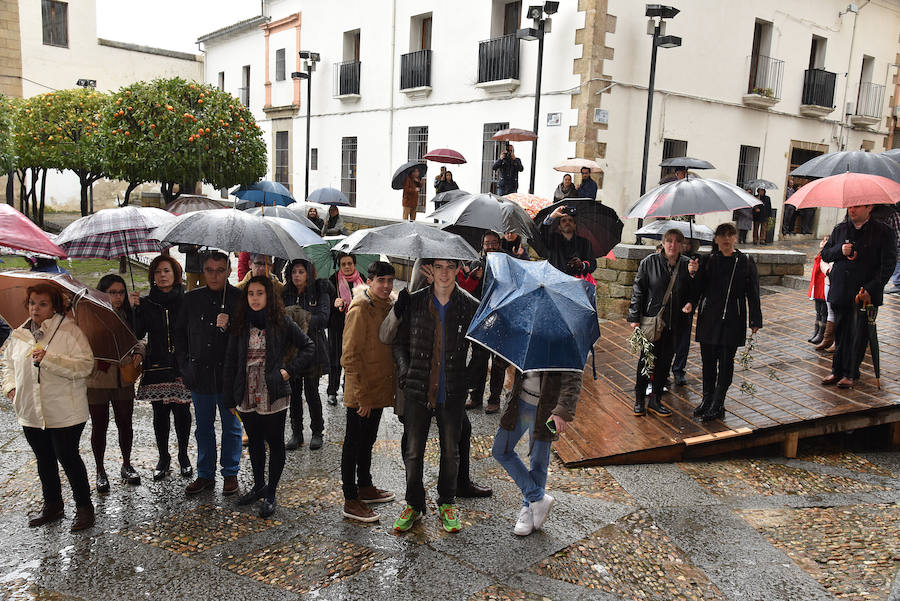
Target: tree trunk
x: 40, y: 216
x: 35, y: 175
x: 85, y: 210
x: 128, y: 191
x: 123, y: 264
x: 22, y: 174
x: 11, y: 188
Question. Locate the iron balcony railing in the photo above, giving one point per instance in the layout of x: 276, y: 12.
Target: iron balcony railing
x: 818, y: 87
x: 765, y: 76
x: 346, y: 78
x: 415, y: 69
x: 245, y: 96
x: 870, y: 99
x: 498, y: 59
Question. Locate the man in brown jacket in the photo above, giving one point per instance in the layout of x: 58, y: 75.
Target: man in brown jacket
x: 411, y: 195
x: 368, y: 388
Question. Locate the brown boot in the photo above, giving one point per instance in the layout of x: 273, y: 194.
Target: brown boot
x: 829, y: 337
x: 50, y: 512
x: 84, y: 518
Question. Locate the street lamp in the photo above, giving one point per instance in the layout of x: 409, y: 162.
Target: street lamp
x: 309, y: 64
x: 541, y: 26
x: 656, y: 27
x: 86, y: 83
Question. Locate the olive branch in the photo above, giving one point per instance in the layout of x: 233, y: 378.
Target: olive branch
x: 639, y: 345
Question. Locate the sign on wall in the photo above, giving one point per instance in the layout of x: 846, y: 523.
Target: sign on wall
x: 554, y: 119
x: 601, y: 116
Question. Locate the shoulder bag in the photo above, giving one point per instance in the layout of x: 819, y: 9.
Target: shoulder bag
x: 653, y: 326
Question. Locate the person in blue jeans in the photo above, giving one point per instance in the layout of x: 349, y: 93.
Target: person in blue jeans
x: 541, y: 403
x: 201, y: 338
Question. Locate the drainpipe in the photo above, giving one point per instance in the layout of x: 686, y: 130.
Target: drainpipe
x: 390, y: 155
x: 844, y: 123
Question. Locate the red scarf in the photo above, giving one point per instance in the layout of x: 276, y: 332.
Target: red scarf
x: 344, y: 286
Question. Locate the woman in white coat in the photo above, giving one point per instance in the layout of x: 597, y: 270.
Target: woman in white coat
x: 48, y: 360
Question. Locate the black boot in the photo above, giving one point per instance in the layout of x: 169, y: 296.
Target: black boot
x: 715, y: 412
x: 296, y: 438
x: 703, y: 407
x: 640, y: 406
x: 655, y: 406
x: 819, y: 335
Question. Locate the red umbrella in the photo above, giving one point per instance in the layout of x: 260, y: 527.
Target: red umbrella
x: 846, y: 190
x: 515, y: 135
x: 188, y: 203
x: 444, y: 155
x: 20, y: 233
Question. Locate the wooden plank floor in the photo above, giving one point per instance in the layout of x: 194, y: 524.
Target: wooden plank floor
x: 788, y: 398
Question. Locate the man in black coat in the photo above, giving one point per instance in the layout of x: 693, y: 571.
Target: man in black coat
x: 567, y: 251
x: 201, y: 338
x: 863, y: 254
x: 509, y: 166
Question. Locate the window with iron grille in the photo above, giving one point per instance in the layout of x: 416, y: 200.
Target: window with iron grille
x: 748, y: 165
x: 417, y: 146
x: 282, y: 158
x: 490, y: 152
x: 245, y: 85
x: 279, y: 64
x: 348, y: 168
x: 55, y: 17
x: 221, y: 81
x: 313, y: 159
x: 671, y: 149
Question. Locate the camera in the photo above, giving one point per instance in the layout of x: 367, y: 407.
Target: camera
x: 570, y: 211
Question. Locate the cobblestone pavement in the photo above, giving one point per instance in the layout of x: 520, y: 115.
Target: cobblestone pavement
x: 757, y: 527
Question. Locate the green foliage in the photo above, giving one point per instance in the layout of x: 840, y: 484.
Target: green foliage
x: 639, y: 345
x: 7, y: 145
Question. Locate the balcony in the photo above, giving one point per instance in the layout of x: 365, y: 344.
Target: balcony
x: 818, y: 93
x: 244, y: 94
x: 764, y: 86
x: 346, y: 80
x: 868, y: 104
x: 415, y: 74
x: 498, y: 64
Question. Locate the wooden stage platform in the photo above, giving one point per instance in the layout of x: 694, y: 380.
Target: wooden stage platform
x: 788, y: 403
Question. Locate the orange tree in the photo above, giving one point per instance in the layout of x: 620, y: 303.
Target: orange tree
x: 177, y: 132
x: 7, y: 154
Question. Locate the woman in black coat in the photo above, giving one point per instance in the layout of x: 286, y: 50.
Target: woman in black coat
x: 301, y: 288
x: 728, y: 287
x: 265, y: 350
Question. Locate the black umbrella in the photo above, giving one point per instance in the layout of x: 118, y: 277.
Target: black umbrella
x: 686, y: 163
x: 443, y: 198
x: 401, y: 173
x: 487, y: 212
x: 756, y: 184
x: 691, y: 197
x: 868, y: 328
x: 408, y: 239
x: 594, y: 221
x: 854, y: 161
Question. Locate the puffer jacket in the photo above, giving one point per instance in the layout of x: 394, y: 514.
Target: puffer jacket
x: 414, y: 347
x: 155, y: 318
x: 650, y: 285
x: 55, y: 394
x: 317, y: 302
x: 369, y: 380
x: 559, y: 396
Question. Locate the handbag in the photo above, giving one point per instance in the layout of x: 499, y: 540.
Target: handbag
x: 653, y: 326
x: 129, y: 372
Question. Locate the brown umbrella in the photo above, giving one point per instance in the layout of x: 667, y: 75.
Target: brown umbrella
x: 515, y: 135
x: 111, y: 339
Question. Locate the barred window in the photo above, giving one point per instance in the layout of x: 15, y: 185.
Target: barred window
x: 348, y: 168
x: 279, y: 64
x: 416, y: 148
x: 55, y: 23
x: 490, y: 152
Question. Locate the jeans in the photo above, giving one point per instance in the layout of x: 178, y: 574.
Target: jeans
x: 356, y: 456
x: 531, y: 481
x: 478, y: 370
x: 463, y: 478
x: 122, y: 411
x: 308, y: 387
x: 663, y: 349
x: 335, y: 348
x: 895, y: 279
x: 417, y: 421
x: 205, y: 412
x: 718, y: 370
x: 263, y: 430
x: 59, y: 445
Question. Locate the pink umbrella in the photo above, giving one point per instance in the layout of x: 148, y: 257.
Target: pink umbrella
x: 846, y: 190
x: 514, y: 134
x: 444, y: 155
x: 20, y: 233
x: 531, y: 203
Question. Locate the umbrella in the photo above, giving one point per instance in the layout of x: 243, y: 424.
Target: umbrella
x: 515, y: 135
x: 110, y: 338
x: 576, y: 165
x: 487, y: 211
x: 324, y: 260
x: 594, y: 221
x: 443, y: 198
x: 265, y: 193
x: 856, y: 161
x: 846, y: 190
x: 691, y: 197
x: 236, y: 231
x: 20, y: 233
x: 444, y: 155
x: 893, y: 154
x: 531, y: 203
x: 408, y: 239
x: 401, y: 173
x: 190, y: 203
x: 329, y: 196
x: 656, y: 230
x: 686, y: 163
x: 535, y: 316
x: 871, y: 312
x: 756, y: 184
x: 283, y: 213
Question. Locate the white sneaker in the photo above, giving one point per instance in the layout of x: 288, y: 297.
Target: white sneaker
x: 525, y: 524
x: 540, y: 510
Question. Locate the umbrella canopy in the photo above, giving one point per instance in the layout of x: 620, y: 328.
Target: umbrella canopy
x: 18, y: 232
x: 657, y: 229
x: 443, y: 198
x: 686, y: 163
x: 487, y: 212
x: 283, y: 213
x: 190, y: 203
x: 265, y: 193
x: 535, y: 316
x: 756, y: 184
x: 691, y: 197
x: 403, y: 171
x: 594, y: 221
x: 444, y: 155
x: 110, y: 338
x: 576, y: 165
x: 324, y: 259
x: 329, y: 196
x: 236, y: 231
x: 112, y: 233
x: 408, y: 239
x: 515, y: 135
x: 871, y: 332
x: 855, y: 161
x: 531, y: 203
x: 846, y: 190
x: 893, y: 154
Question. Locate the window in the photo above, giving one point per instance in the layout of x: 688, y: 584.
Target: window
x: 671, y: 149
x: 282, y: 158
x: 420, y: 32
x: 417, y: 146
x: 817, y: 53
x: 348, y: 168
x: 490, y: 152
x: 748, y: 165
x: 279, y: 64
x: 759, y: 55
x: 221, y: 81
x: 351, y: 45
x: 512, y: 16
x: 313, y: 159
x: 245, y: 86
x: 55, y: 17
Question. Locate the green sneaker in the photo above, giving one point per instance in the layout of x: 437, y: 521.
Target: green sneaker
x: 449, y: 518
x: 406, y: 520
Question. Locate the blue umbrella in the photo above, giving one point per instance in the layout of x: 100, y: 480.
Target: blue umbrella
x: 265, y: 193
x: 329, y: 196
x: 535, y: 316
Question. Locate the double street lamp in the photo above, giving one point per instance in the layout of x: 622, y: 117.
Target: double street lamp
x: 308, y: 66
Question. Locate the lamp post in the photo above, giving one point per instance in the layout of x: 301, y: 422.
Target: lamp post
x: 309, y: 64
x: 541, y: 26
x: 656, y: 27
